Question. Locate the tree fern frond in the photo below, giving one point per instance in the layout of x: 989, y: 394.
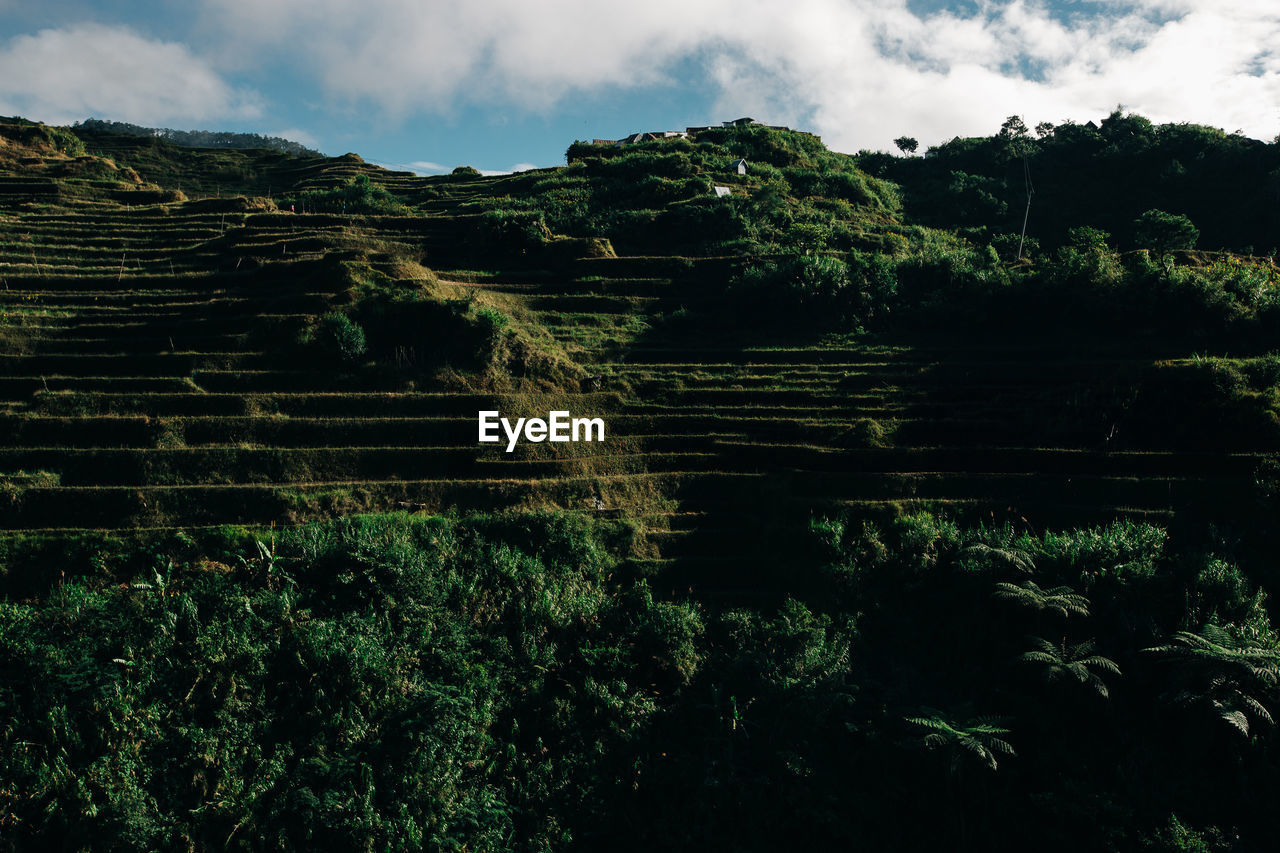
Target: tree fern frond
x: 1013, y: 558
x: 1237, y: 720
x: 1259, y: 710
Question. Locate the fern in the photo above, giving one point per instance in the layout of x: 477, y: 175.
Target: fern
x: 1060, y: 599
x: 1076, y: 662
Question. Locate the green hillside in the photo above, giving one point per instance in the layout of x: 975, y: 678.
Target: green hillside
x: 868, y: 469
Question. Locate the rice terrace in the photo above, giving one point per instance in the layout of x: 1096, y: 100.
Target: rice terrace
x: 922, y: 502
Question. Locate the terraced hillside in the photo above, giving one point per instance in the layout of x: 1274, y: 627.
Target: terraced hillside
x: 143, y: 384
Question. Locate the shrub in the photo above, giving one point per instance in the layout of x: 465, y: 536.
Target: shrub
x: 513, y: 231
x: 340, y: 339
x: 1164, y: 232
x: 357, y: 196
x: 1006, y: 246
x: 804, y: 286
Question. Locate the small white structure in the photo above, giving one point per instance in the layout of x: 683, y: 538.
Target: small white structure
x: 741, y: 166
x: 721, y: 192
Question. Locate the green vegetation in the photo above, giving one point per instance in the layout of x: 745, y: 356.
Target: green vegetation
x: 339, y: 339
x: 200, y: 138
x: 504, y: 681
x: 1164, y: 232
x: 911, y: 531
x: 358, y: 195
x: 658, y: 195
x: 1105, y: 174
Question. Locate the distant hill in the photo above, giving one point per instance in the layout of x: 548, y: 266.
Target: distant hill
x: 203, y: 138
x: 905, y: 533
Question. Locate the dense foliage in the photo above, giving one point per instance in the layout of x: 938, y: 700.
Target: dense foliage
x: 647, y: 195
x: 379, y: 683
x: 1105, y: 174
x: 1079, y: 653
x: 359, y: 195
x: 201, y: 138
x: 501, y: 682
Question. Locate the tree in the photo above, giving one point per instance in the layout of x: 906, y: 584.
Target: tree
x: 906, y: 144
x: 1164, y: 232
x: 1222, y: 675
x: 1059, y: 599
x: 1076, y: 662
x: 964, y: 741
x: 975, y: 739
x: 340, y: 338
x: 1015, y: 133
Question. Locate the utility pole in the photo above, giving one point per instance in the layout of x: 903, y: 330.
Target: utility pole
x: 1026, y: 175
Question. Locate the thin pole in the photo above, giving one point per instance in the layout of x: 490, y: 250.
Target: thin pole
x: 1026, y: 175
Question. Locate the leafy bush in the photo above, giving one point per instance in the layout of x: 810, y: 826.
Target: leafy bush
x: 378, y: 682
x: 512, y: 231
x: 339, y: 339
x: 1164, y: 232
x: 359, y: 195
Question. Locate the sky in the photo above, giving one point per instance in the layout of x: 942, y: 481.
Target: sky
x: 507, y: 85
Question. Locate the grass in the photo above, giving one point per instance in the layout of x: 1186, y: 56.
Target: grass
x: 139, y: 349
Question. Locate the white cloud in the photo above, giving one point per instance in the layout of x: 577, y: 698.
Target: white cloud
x: 418, y: 167
x: 63, y: 75
x: 296, y: 134
x: 858, y: 71
x: 518, y: 167
x: 427, y: 167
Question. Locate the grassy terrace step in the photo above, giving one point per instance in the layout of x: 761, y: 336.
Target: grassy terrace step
x: 620, y: 288
x: 108, y: 213
x: 117, y: 235
x: 129, y: 326
x: 113, y: 292
x: 705, y: 358
x: 159, y: 305
x: 793, y: 396
x: 105, y: 280
x: 290, y: 273
x: 967, y: 364
x: 146, y: 364
x: 140, y: 431
x: 90, y: 245
x: 817, y: 378
x: 107, y: 467
x: 297, y: 404
x: 715, y: 397
x: 759, y: 414
x: 217, y: 465
x: 655, y: 265
x: 591, y: 303
x: 131, y: 269
x: 96, y: 217
x: 724, y: 376
x: 133, y: 506
x: 996, y: 460
x: 1147, y: 492
x: 173, y: 264
x: 274, y: 381
x: 14, y: 387
x: 55, y: 345
x: 95, y: 214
